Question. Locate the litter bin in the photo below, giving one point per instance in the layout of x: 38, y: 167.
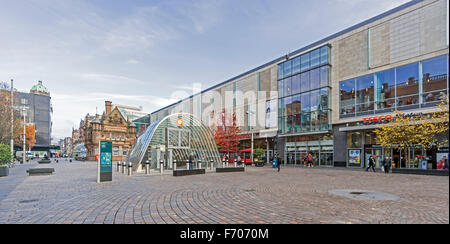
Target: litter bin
x: 274, y: 164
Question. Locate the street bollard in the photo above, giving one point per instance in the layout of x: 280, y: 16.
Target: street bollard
x: 235, y: 163
x: 130, y: 170
x: 199, y: 164
x: 175, y: 165
x: 212, y: 164
x: 227, y: 163
x: 118, y: 166
x: 147, y: 167
x: 223, y: 164
x: 124, y: 167
x: 162, y: 166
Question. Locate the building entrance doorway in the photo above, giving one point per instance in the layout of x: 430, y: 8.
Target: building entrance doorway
x: 377, y: 152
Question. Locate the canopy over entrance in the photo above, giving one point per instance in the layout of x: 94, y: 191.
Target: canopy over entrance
x: 174, y: 139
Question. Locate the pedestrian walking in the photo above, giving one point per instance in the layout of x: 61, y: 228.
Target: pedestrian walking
x: 310, y: 160
x: 387, y: 164
x: 371, y: 163
x: 278, y: 164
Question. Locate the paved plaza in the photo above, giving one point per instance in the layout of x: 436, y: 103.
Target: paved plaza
x: 258, y: 196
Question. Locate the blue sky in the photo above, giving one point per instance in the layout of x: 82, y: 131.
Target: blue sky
x: 139, y: 52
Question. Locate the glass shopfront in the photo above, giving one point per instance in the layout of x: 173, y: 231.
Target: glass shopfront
x: 320, y: 147
x: 361, y: 145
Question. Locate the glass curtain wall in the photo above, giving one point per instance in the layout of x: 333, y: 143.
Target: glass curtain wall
x: 416, y: 85
x: 303, y: 86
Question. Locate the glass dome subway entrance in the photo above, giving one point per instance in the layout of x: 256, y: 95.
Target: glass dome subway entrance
x: 173, y: 140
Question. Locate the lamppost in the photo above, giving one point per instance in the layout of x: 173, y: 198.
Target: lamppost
x: 251, y: 131
x: 12, y: 118
x: 24, y: 109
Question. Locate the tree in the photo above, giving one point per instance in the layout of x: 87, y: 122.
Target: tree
x: 5, y: 154
x: 30, y: 136
x: 226, y: 132
x: 5, y: 114
x: 417, y: 130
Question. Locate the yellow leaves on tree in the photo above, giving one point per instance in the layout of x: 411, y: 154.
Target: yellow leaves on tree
x: 30, y: 136
x: 416, y: 130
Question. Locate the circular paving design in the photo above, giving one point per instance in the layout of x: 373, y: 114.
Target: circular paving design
x: 364, y: 195
x: 258, y: 196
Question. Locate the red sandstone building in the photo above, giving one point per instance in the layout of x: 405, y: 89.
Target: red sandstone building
x: 111, y: 126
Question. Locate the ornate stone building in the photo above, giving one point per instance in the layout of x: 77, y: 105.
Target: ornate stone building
x: 111, y: 126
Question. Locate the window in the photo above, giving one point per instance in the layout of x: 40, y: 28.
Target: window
x: 280, y: 107
x: 315, y: 100
x: 347, y: 97
x: 408, y: 84
x: 315, y: 79
x: 296, y: 65
x: 315, y: 121
x: 304, y: 62
x: 281, y: 88
x: 304, y: 82
x: 288, y: 86
x: 287, y: 68
x: 353, y: 139
x: 324, y: 120
x: 324, y: 55
x: 385, y: 89
x: 115, y: 151
x: 315, y: 58
x: 434, y: 79
x: 324, y: 76
x: 289, y: 120
x: 365, y: 93
x: 288, y: 105
x: 296, y: 104
x: 305, y: 102
x: 297, y: 123
x: 296, y: 84
x: 280, y: 71
x: 306, y: 122
x: 323, y: 105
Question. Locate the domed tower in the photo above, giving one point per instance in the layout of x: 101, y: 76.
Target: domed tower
x: 40, y: 89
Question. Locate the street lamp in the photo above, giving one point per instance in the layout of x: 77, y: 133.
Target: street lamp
x: 12, y: 118
x: 24, y: 109
x: 251, y: 131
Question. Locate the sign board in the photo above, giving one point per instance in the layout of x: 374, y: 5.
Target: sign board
x: 355, y: 157
x: 104, y: 161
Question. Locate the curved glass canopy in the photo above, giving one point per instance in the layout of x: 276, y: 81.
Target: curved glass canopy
x: 173, y: 140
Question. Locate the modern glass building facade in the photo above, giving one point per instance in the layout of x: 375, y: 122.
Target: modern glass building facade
x: 303, y: 107
x: 397, y: 60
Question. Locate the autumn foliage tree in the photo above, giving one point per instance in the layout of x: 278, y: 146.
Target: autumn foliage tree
x: 226, y: 132
x: 30, y: 136
x: 5, y: 114
x: 418, y: 130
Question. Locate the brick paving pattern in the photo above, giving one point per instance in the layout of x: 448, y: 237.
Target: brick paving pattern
x: 258, y: 196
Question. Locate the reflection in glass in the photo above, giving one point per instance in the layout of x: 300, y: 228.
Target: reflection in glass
x: 296, y: 65
x: 408, y: 84
x: 304, y: 82
x: 434, y: 79
x: 304, y: 62
x: 347, y: 96
x: 315, y: 78
x: 365, y: 93
x: 385, y: 89
x: 296, y: 84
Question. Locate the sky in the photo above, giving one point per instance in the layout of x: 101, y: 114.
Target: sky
x: 149, y: 53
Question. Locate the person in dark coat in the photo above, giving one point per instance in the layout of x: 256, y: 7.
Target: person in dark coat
x: 371, y: 163
x: 387, y: 164
x: 278, y: 164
